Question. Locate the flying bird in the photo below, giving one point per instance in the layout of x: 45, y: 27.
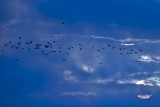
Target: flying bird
x: 20, y: 37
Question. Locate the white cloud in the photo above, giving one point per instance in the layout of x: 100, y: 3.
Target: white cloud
x: 101, y: 81
x: 137, y: 74
x: 79, y: 93
x: 155, y: 80
x: 136, y: 82
x: 131, y: 40
x: 144, y: 82
x: 129, y: 81
x: 148, y: 58
x: 145, y: 58
x: 127, y: 44
x: 69, y: 76
x: 150, y: 81
x: 87, y: 68
x: 144, y: 97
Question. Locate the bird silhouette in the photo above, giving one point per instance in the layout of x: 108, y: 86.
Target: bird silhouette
x: 46, y: 46
x: 19, y: 43
x: 67, y: 53
x: 64, y: 59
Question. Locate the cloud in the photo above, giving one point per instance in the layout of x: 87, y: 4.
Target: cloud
x: 144, y: 82
x: 127, y: 44
x: 69, y: 76
x: 145, y: 58
x: 87, y: 68
x: 128, y: 41
x: 149, y: 81
x: 144, y: 97
x: 148, y: 58
x: 101, y: 81
x: 155, y: 80
x: 79, y: 93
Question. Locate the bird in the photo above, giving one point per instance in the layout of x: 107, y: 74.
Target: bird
x: 31, y: 41
x: 37, y: 46
x: 20, y: 37
x: 64, y: 59
x: 49, y: 43
x: 62, y: 23
x: 19, y: 43
x: 127, y: 53
x: 27, y: 42
x: 67, y: 53
x: 136, y: 52
x: 46, y: 46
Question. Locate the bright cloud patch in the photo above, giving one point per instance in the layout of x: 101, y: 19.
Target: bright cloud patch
x: 146, y: 58
x: 87, y: 68
x: 127, y: 44
x: 150, y: 81
x: 144, y: 82
x: 144, y: 97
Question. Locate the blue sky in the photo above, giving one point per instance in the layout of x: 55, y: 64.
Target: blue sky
x: 105, y: 54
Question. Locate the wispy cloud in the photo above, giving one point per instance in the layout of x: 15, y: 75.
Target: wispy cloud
x: 101, y: 81
x: 150, y: 81
x: 128, y: 41
x: 69, y: 76
x: 79, y: 93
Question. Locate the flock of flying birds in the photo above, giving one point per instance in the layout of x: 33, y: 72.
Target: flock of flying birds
x: 50, y: 45
x: 60, y: 49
